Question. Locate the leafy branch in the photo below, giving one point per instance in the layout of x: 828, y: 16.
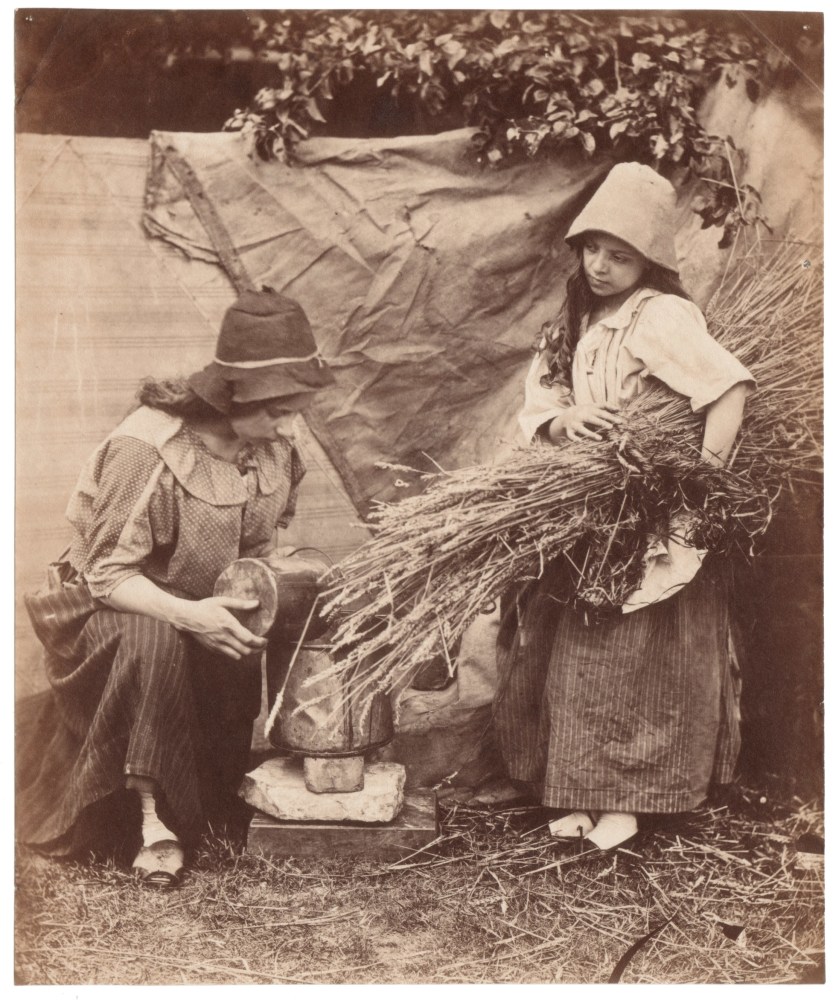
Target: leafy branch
x: 532, y: 83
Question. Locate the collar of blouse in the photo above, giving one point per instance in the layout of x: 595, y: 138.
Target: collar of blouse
x: 622, y: 318
x: 197, y: 470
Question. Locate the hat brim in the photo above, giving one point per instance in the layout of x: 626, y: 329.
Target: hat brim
x: 225, y: 385
x: 574, y: 240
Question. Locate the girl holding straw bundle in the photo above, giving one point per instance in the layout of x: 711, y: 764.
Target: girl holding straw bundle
x: 636, y: 713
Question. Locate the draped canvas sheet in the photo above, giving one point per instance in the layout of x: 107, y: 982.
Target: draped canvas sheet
x: 427, y: 277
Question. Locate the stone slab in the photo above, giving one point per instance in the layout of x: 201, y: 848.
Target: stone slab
x: 277, y: 788
x: 413, y: 829
x: 334, y: 774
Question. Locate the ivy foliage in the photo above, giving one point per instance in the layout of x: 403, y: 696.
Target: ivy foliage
x: 532, y: 83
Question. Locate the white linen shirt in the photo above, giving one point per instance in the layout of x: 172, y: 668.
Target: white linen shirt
x: 651, y: 334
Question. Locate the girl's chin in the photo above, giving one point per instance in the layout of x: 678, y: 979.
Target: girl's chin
x: 602, y: 291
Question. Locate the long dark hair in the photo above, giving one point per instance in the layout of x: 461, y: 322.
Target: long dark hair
x: 561, y: 337
x: 174, y: 396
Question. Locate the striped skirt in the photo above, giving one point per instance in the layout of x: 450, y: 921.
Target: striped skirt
x: 637, y: 713
x: 129, y: 696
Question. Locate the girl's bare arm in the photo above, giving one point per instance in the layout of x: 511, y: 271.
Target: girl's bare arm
x: 723, y: 419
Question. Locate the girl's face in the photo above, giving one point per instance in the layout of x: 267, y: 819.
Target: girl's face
x: 611, y: 266
x: 265, y: 421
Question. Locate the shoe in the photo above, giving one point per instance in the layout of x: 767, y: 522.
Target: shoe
x: 160, y: 866
x: 572, y: 827
x: 612, y: 830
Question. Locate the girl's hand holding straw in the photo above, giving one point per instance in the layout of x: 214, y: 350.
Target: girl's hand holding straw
x: 583, y: 420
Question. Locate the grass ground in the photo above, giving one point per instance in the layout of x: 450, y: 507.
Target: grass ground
x: 722, y: 887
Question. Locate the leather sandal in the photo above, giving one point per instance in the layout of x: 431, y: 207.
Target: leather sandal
x: 160, y: 866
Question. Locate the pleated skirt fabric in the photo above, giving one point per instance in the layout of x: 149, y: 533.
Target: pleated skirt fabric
x: 129, y: 696
x: 636, y: 713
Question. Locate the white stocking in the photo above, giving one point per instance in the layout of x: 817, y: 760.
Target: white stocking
x: 153, y: 829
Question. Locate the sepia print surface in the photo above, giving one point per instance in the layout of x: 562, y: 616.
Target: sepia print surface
x: 409, y: 177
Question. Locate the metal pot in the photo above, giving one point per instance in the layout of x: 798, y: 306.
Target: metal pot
x: 287, y: 588
x: 328, y: 728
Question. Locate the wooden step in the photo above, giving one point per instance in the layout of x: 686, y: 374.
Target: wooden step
x: 413, y: 829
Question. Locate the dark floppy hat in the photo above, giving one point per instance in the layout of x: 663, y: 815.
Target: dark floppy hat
x: 266, y: 349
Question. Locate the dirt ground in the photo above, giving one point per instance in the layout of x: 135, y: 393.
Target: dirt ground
x: 728, y: 895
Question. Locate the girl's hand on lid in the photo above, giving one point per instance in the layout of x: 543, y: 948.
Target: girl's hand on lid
x: 584, y: 421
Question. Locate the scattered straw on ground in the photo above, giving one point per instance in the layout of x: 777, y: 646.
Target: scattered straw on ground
x: 720, y: 888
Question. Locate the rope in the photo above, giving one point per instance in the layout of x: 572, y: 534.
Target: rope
x: 212, y: 223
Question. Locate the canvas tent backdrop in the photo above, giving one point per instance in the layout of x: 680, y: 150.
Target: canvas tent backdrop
x: 426, y: 280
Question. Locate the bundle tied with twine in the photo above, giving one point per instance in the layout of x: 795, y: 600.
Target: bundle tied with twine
x: 438, y: 558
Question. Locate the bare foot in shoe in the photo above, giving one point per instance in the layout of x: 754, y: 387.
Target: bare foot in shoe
x: 577, y: 824
x: 613, y: 829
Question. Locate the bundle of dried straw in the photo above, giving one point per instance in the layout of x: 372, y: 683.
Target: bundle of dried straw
x: 438, y: 558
